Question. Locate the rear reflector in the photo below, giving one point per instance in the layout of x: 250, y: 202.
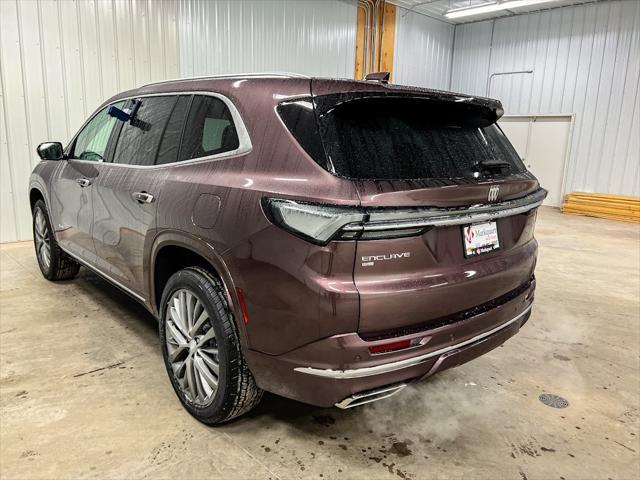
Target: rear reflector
x: 393, y: 346
x: 243, y: 307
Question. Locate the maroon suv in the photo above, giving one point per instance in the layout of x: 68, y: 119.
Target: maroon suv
x: 330, y: 241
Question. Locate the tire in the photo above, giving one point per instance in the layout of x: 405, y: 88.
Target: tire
x: 53, y: 262
x: 190, y: 354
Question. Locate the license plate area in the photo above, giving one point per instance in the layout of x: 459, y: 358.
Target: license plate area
x: 480, y: 238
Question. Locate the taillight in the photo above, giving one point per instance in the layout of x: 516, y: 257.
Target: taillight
x: 314, y: 222
x: 319, y: 223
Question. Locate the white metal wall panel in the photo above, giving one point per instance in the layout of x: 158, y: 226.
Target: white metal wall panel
x: 471, y: 58
x: 58, y: 61
x: 424, y: 50
x: 313, y: 37
x: 585, y: 60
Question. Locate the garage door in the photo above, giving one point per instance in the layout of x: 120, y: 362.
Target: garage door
x: 542, y: 143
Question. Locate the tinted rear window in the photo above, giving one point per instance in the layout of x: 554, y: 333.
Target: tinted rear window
x: 403, y: 138
x: 168, y: 151
x: 209, y: 130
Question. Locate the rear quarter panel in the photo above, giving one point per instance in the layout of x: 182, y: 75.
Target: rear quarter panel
x: 295, y: 292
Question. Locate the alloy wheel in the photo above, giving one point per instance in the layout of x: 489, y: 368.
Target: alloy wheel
x: 43, y: 241
x: 192, y: 347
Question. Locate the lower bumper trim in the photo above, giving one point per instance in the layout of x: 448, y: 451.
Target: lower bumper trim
x: 408, y: 362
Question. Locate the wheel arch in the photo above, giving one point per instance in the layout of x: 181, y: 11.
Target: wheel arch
x: 35, y: 194
x: 173, y: 251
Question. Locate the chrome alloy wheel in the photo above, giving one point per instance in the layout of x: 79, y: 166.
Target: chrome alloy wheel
x: 43, y: 245
x: 192, y: 347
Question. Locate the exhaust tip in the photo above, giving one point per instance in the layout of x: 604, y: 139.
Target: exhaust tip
x: 369, y: 396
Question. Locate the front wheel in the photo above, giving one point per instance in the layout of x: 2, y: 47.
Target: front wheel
x: 201, y: 349
x: 53, y: 262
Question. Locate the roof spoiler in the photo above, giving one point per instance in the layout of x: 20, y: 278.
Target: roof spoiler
x: 382, y: 77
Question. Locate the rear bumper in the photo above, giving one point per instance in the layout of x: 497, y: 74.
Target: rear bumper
x: 332, y: 370
x: 409, y: 362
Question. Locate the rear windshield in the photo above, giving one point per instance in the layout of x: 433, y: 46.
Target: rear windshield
x: 406, y: 138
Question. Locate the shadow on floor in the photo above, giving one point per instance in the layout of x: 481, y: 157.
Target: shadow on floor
x: 119, y: 305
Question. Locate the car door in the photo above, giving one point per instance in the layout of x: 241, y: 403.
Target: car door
x: 126, y: 192
x: 71, y: 201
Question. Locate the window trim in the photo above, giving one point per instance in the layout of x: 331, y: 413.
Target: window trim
x: 244, y: 140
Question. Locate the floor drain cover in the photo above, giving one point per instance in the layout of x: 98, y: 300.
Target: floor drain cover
x: 554, y: 401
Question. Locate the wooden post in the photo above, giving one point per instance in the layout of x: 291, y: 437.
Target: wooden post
x: 383, y: 42
x: 388, y: 39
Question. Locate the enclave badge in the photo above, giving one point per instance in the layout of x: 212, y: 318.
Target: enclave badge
x: 369, y: 260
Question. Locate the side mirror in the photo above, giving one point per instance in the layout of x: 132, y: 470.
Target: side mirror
x: 50, y: 151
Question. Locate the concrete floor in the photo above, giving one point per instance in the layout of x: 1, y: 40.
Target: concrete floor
x: 84, y: 394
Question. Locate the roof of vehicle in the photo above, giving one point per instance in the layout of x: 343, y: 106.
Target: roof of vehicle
x: 322, y: 86
x: 231, y: 76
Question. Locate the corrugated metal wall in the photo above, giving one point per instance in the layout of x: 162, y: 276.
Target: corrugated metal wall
x: 585, y: 60
x: 314, y: 37
x: 60, y: 59
x: 58, y: 62
x: 424, y: 49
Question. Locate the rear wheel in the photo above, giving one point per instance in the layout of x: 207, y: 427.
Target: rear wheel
x: 53, y: 262
x: 201, y: 349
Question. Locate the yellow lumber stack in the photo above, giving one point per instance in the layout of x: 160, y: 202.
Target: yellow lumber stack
x: 611, y: 207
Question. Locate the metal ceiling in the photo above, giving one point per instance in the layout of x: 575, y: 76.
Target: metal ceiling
x: 437, y: 8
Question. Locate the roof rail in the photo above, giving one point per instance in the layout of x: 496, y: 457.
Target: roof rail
x: 230, y: 75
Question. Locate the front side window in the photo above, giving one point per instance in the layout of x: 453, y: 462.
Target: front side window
x: 209, y: 130
x: 91, y: 142
x: 140, y: 138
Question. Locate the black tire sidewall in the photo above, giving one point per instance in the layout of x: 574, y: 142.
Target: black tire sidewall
x: 204, y: 288
x: 48, y: 273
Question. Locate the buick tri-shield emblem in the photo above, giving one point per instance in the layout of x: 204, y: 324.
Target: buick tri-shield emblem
x: 493, y: 193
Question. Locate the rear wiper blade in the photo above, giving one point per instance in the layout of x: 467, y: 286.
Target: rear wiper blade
x: 492, y: 166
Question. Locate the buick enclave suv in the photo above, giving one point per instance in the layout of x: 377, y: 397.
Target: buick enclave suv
x: 326, y: 240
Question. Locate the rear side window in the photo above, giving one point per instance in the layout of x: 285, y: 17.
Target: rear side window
x: 209, y: 130
x: 406, y: 139
x: 91, y: 142
x: 300, y: 118
x: 169, y: 146
x: 140, y: 138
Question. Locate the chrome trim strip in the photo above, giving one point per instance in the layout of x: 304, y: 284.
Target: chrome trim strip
x: 439, y: 217
x: 408, y: 362
x: 357, y: 399
x: 104, y: 275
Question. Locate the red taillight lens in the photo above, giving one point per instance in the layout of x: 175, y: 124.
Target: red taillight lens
x: 390, y: 347
x: 243, y: 307
x: 393, y: 346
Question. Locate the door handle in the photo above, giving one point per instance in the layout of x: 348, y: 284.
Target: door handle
x: 84, y: 182
x: 143, y: 197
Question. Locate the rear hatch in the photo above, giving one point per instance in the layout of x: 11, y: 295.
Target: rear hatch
x: 449, y: 206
